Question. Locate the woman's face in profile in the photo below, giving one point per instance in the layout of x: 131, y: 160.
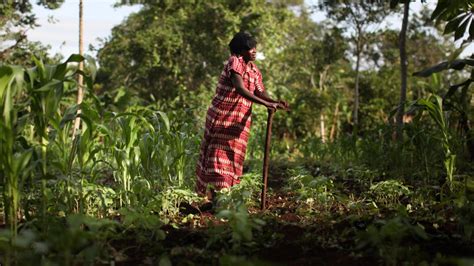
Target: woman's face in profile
x: 250, y: 55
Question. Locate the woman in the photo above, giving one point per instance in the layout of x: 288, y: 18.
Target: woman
x: 228, y: 118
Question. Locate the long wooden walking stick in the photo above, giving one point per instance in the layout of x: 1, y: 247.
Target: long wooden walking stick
x: 266, y: 158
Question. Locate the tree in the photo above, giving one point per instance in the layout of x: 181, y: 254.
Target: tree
x: 170, y: 47
x: 306, y: 66
x: 403, y: 67
x: 80, y: 78
x: 359, y: 18
x: 16, y: 18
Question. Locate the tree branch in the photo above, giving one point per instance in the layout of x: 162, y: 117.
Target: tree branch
x: 18, y: 41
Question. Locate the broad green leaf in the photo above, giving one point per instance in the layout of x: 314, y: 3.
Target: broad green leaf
x: 165, y: 120
x: 69, y: 115
x: 39, y: 68
x: 61, y: 70
x: 5, y: 79
x: 32, y: 75
x: 471, y: 29
x: 440, y: 9
x: 21, y: 161
x: 453, y: 24
x: 92, y: 67
x: 49, y: 86
x: 75, y: 58
x: 455, y: 64
x: 462, y: 28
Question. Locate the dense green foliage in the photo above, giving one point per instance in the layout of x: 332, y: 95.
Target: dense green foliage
x: 122, y: 189
x: 16, y: 18
x: 169, y: 47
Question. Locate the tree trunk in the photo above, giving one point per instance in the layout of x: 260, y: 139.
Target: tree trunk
x: 355, y: 111
x: 403, y: 72
x: 334, y: 123
x: 322, y: 125
x: 322, y: 128
x: 80, y: 79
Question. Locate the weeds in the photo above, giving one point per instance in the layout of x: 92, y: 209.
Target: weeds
x: 389, y: 192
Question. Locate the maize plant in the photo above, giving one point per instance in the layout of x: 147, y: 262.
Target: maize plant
x: 434, y: 106
x: 13, y: 159
x: 122, y: 144
x: 29, y: 94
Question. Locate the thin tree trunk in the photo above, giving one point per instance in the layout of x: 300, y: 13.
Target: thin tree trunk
x: 403, y: 71
x: 322, y: 125
x: 322, y: 128
x: 334, y: 123
x: 80, y: 81
x: 355, y: 111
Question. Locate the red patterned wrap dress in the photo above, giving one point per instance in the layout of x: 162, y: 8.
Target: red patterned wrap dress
x: 227, y: 128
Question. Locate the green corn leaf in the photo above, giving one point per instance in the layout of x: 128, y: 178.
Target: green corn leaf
x: 53, y: 84
x: 5, y: 81
x: 75, y: 58
x: 69, y: 115
x: 32, y: 75
x: 92, y: 67
x: 60, y: 71
x: 165, y: 120
x: 40, y: 70
x: 20, y: 162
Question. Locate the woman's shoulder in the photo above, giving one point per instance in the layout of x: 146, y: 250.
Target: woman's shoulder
x: 235, y: 59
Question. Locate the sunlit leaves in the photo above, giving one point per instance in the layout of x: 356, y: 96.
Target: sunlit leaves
x: 459, y: 14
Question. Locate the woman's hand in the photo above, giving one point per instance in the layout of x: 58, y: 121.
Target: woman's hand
x: 283, y: 105
x: 272, y: 105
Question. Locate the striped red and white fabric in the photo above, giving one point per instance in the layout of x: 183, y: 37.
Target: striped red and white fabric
x: 227, y: 128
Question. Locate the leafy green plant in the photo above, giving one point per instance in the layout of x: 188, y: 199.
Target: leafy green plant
x: 434, y: 106
x: 13, y: 161
x: 167, y: 154
x: 312, y: 189
x: 172, y: 198
x: 143, y: 220
x: 386, y: 238
x: 75, y: 239
x: 388, y: 192
x: 239, y: 225
x: 70, y: 195
x: 120, y: 141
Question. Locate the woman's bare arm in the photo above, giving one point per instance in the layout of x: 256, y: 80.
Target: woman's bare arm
x: 238, y: 83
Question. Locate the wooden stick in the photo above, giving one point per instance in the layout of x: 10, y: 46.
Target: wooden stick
x: 266, y: 158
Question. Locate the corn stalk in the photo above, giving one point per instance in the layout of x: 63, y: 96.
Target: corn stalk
x: 13, y: 161
x: 434, y: 106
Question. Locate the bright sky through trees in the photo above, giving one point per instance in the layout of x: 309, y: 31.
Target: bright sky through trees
x: 59, y: 27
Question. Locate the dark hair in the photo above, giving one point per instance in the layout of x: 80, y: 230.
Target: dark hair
x: 242, y: 41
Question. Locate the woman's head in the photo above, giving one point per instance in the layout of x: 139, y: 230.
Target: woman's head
x: 242, y: 43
